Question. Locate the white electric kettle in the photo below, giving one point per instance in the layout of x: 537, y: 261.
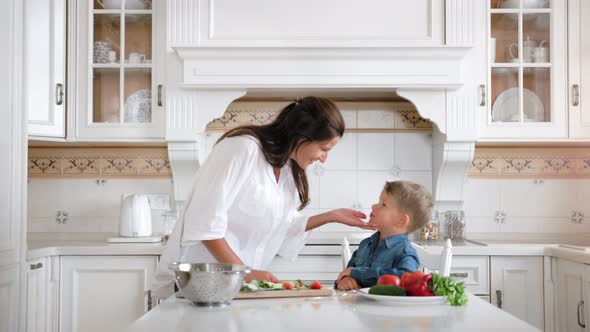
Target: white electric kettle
x: 136, y: 216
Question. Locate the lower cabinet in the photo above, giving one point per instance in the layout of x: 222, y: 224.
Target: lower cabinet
x: 42, y: 294
x: 573, y: 296
x: 517, y: 287
x: 104, y: 293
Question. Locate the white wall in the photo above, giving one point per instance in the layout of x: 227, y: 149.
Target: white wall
x: 91, y: 207
x: 352, y: 177
x: 527, y: 205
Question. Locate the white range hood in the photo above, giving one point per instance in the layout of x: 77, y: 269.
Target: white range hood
x: 205, y: 74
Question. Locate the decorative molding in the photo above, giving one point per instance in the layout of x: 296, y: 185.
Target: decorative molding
x: 58, y: 162
x: 322, y: 67
x: 182, y: 23
x: 535, y: 163
x: 460, y: 23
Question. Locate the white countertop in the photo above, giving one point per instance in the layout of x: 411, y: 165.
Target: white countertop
x: 97, y: 245
x: 348, y: 313
x: 43, y: 245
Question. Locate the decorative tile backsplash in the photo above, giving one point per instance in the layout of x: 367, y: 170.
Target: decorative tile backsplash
x: 533, y: 162
x: 358, y: 115
x: 95, y: 162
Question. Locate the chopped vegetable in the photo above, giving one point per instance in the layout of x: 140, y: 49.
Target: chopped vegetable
x: 315, y: 285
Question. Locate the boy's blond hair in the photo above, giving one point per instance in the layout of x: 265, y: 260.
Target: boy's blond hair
x: 412, y: 199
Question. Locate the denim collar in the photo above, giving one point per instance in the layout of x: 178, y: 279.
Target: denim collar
x: 389, y: 241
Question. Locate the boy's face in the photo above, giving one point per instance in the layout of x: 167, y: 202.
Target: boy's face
x: 386, y: 214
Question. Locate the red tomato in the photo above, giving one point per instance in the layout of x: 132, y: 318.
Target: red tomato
x: 315, y: 285
x: 287, y: 285
x: 389, y: 279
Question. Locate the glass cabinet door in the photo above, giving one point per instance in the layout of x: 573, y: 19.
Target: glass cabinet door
x: 520, y: 65
x: 121, y: 58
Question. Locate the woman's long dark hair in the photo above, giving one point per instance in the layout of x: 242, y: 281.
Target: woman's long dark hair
x: 311, y: 119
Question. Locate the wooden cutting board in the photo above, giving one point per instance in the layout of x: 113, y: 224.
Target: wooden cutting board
x: 285, y: 293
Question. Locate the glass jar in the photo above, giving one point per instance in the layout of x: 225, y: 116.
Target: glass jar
x: 170, y: 218
x: 454, y: 225
x: 430, y: 231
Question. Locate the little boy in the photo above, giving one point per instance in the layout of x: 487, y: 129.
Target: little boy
x: 403, y: 208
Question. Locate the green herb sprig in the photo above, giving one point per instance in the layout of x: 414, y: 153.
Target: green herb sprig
x: 446, y: 286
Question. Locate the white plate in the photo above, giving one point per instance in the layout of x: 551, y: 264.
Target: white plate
x: 404, y: 300
x: 506, y: 106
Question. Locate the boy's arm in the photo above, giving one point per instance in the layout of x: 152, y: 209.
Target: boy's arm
x: 368, y: 276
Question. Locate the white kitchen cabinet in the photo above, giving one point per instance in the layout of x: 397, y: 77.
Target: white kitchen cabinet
x: 517, y: 287
x: 579, y: 68
x: 103, y: 293
x: 119, y: 70
x: 44, y: 67
x: 573, y: 295
x: 42, y: 294
x: 473, y: 272
x: 526, y: 72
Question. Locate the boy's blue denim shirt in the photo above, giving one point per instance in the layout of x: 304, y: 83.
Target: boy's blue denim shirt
x: 374, y: 258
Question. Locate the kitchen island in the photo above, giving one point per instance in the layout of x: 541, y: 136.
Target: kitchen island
x: 343, y: 311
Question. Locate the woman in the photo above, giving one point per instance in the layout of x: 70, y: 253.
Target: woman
x: 246, y: 197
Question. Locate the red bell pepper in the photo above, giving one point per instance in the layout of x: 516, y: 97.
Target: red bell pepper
x: 417, y: 283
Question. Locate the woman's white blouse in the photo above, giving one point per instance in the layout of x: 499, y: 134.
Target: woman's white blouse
x: 236, y: 196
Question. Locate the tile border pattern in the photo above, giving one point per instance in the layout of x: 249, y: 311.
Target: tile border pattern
x: 531, y: 162
x: 359, y: 115
x: 98, y: 162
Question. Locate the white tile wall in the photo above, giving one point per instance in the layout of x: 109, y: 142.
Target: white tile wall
x: 529, y: 205
x: 91, y: 207
x: 352, y: 177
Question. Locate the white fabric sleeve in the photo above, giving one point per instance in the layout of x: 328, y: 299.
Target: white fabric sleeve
x: 296, y: 237
x: 216, y: 185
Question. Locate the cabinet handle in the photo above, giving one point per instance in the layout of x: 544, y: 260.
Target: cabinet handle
x: 160, y: 94
x: 580, y: 305
x: 459, y: 275
x: 575, y: 95
x: 499, y: 298
x: 36, y: 266
x: 482, y: 90
x: 149, y: 300
x: 59, y: 94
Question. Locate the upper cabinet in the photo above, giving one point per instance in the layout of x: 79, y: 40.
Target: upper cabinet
x: 526, y: 71
x: 119, y: 76
x: 44, y: 67
x: 579, y: 67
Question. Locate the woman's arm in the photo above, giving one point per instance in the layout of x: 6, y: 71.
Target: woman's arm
x: 344, y: 216
x: 221, y: 250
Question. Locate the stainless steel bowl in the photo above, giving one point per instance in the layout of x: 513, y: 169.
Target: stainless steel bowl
x: 209, y: 284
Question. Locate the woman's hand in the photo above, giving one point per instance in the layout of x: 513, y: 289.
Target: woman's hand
x: 260, y: 276
x: 347, y: 283
x: 351, y: 218
x: 344, y: 216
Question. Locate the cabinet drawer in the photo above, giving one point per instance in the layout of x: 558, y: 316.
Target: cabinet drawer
x: 473, y: 271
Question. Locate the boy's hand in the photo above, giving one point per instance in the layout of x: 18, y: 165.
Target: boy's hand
x: 347, y: 283
x: 343, y: 274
